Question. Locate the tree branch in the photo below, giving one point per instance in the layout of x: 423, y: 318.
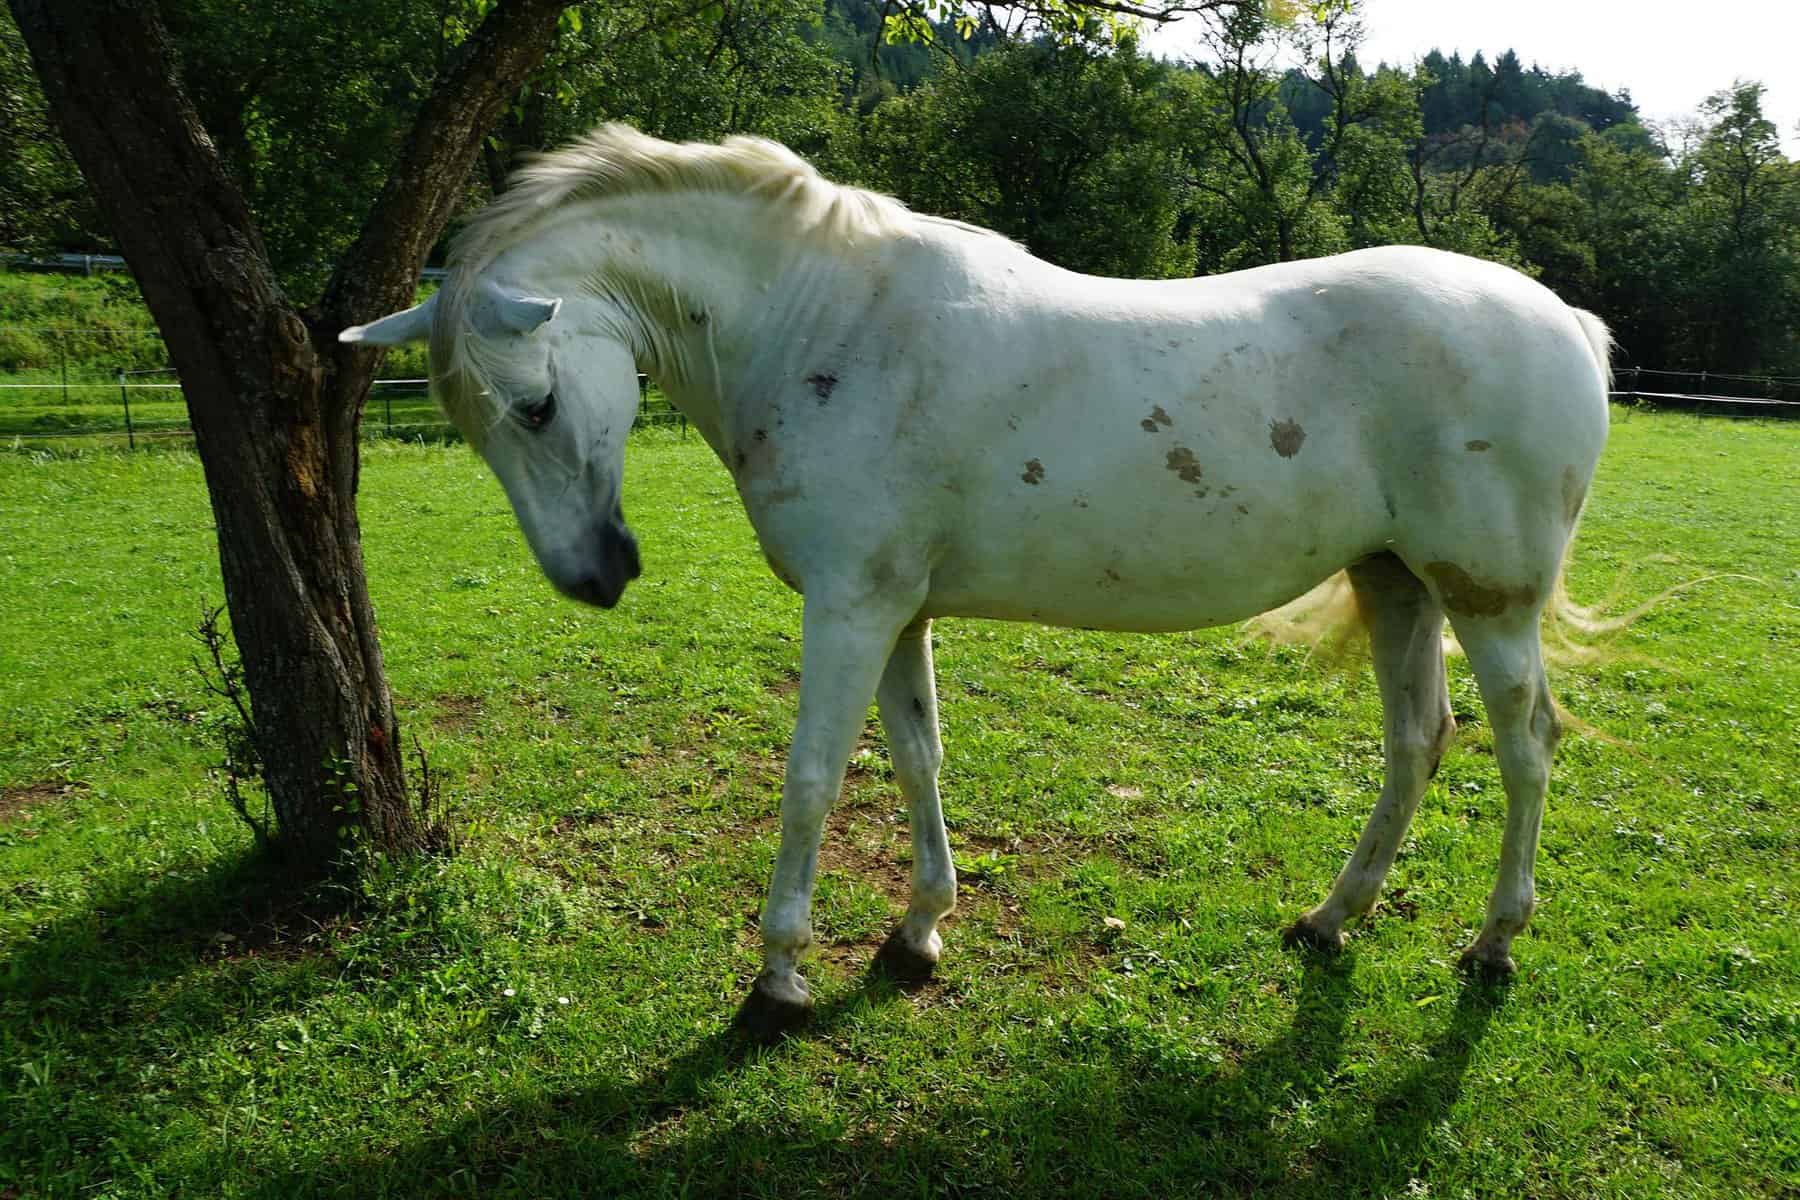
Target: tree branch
x: 378, y: 273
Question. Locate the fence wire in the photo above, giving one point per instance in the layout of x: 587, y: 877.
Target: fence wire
x: 68, y: 382
x: 51, y: 391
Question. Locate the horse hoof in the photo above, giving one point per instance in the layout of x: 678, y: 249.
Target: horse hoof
x: 1308, y: 934
x: 1485, y: 962
x: 767, y: 1019
x: 904, y: 963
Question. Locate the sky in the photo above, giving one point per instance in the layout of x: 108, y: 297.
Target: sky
x: 1670, y: 54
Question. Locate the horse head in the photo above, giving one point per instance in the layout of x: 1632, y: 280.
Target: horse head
x: 548, y: 405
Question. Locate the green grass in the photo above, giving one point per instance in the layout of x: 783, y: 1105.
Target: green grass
x: 616, y: 776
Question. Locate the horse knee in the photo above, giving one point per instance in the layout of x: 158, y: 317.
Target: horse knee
x: 806, y: 797
x: 1440, y: 745
x: 917, y: 757
x: 1422, y: 747
x: 918, y: 767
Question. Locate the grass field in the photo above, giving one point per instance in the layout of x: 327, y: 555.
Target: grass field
x: 63, y: 340
x: 546, y: 1013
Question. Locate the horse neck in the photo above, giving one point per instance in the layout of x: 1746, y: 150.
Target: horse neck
x: 706, y: 289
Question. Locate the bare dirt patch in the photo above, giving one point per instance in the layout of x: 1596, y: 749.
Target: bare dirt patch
x: 17, y: 803
x: 457, y: 713
x: 862, y: 842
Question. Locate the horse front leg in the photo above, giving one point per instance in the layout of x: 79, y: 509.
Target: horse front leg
x: 908, y: 700
x: 843, y: 651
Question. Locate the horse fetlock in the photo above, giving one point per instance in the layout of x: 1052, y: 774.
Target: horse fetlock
x: 786, y: 934
x: 932, y: 900
x: 1508, y: 913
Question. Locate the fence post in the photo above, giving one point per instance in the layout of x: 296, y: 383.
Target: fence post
x: 125, y: 398
x: 387, y: 400
x: 62, y: 347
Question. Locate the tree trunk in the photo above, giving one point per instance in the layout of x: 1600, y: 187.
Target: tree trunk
x: 275, y: 401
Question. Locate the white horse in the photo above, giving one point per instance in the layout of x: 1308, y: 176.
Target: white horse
x: 923, y: 421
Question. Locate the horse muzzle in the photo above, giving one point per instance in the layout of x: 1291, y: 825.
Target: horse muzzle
x: 612, y: 564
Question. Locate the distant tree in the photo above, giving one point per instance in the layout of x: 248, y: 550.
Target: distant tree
x: 305, y: 102
x: 1631, y: 201
x: 1741, y: 232
x: 1269, y: 192
x: 751, y: 68
x: 880, y: 67
x: 44, y: 204
x: 1069, y: 149
x: 1258, y: 192
x: 1095, y: 21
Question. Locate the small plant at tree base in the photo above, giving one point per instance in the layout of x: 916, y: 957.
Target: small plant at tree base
x: 241, y: 765
x: 240, y: 769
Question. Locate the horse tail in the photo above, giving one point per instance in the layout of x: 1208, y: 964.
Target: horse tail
x: 1599, y: 339
x: 1328, y: 621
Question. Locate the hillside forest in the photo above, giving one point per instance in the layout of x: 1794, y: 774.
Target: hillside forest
x: 1274, y: 141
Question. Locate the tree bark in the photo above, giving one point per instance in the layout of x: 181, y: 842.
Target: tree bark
x: 275, y: 401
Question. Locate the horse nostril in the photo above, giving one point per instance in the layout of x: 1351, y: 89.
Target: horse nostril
x: 619, y: 550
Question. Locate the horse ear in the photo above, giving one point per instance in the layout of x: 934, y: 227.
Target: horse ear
x: 413, y: 325
x: 518, y: 314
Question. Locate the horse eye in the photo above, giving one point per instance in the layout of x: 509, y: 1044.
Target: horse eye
x: 536, y: 416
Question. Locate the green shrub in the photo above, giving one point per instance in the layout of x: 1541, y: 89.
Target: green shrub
x: 24, y: 350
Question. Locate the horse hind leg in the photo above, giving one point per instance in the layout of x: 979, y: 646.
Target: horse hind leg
x: 1406, y: 636
x: 1506, y: 655
x: 908, y: 701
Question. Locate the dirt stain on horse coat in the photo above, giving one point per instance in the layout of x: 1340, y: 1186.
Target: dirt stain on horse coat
x: 1286, y: 437
x: 1574, y: 493
x: 1476, y: 445
x: 1034, y: 471
x: 1157, y: 420
x: 822, y: 383
x: 1471, y: 597
x: 1182, y: 461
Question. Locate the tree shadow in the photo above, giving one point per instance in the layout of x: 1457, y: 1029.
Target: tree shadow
x: 104, y: 991
x: 1110, y: 1119
x: 136, y: 935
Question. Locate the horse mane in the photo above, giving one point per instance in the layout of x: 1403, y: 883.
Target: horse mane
x: 617, y: 160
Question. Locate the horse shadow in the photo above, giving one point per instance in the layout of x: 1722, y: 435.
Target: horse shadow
x: 1109, y: 1122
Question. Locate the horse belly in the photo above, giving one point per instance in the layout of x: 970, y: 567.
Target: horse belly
x: 1214, y: 550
